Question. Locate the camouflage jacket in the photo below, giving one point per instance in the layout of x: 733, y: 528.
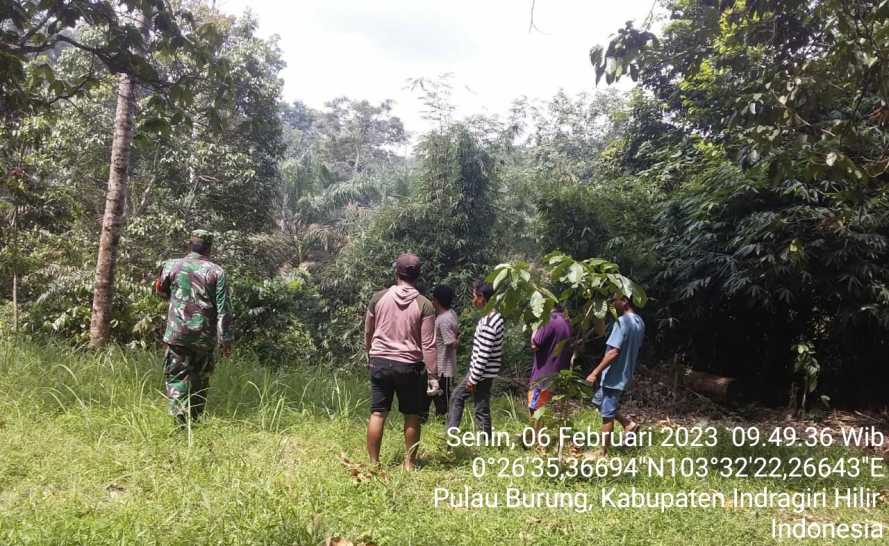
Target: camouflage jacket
x: 200, y: 311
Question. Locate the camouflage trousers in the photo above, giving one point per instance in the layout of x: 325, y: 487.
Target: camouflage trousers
x: 187, y: 380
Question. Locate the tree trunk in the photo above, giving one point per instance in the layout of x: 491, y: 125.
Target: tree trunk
x: 15, y: 271
x: 115, y: 205
x: 677, y: 375
x: 15, y: 302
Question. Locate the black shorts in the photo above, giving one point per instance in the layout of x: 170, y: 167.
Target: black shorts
x: 406, y: 381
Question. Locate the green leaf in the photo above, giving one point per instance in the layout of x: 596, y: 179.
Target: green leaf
x: 600, y: 309
x: 576, y: 273
x: 537, y: 303
x: 596, y: 55
x: 155, y: 125
x: 500, y: 275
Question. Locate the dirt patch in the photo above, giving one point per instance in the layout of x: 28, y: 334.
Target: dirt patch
x: 653, y: 400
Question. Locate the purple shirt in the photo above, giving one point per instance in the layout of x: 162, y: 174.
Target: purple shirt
x: 552, y: 355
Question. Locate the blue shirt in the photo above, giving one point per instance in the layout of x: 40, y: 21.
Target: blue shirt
x: 626, y: 336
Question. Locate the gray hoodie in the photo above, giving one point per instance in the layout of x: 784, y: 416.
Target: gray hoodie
x: 400, y: 326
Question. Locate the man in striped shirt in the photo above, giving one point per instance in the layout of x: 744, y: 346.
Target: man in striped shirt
x: 484, y: 364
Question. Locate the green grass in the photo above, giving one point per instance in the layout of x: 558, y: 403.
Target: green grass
x: 89, y: 456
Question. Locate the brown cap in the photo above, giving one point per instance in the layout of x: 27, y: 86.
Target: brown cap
x: 408, y: 266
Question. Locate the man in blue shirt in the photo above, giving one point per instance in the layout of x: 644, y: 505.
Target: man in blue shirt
x: 617, y: 368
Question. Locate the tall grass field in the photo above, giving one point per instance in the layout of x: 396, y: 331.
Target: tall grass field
x: 88, y: 455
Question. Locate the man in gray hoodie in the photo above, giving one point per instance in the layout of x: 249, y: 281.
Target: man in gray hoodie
x: 399, y: 336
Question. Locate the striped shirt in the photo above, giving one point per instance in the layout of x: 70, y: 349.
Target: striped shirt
x: 487, y: 348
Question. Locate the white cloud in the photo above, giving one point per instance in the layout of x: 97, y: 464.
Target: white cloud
x: 368, y: 50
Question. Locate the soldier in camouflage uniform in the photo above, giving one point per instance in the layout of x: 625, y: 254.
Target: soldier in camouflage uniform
x: 199, y: 317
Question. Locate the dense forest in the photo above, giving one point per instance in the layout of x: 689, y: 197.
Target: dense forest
x: 742, y: 182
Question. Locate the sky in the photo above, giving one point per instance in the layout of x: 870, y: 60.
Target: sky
x: 368, y: 49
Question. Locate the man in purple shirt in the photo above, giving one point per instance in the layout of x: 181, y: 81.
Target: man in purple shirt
x: 552, y: 353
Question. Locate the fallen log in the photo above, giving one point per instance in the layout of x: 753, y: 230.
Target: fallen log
x: 714, y: 386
